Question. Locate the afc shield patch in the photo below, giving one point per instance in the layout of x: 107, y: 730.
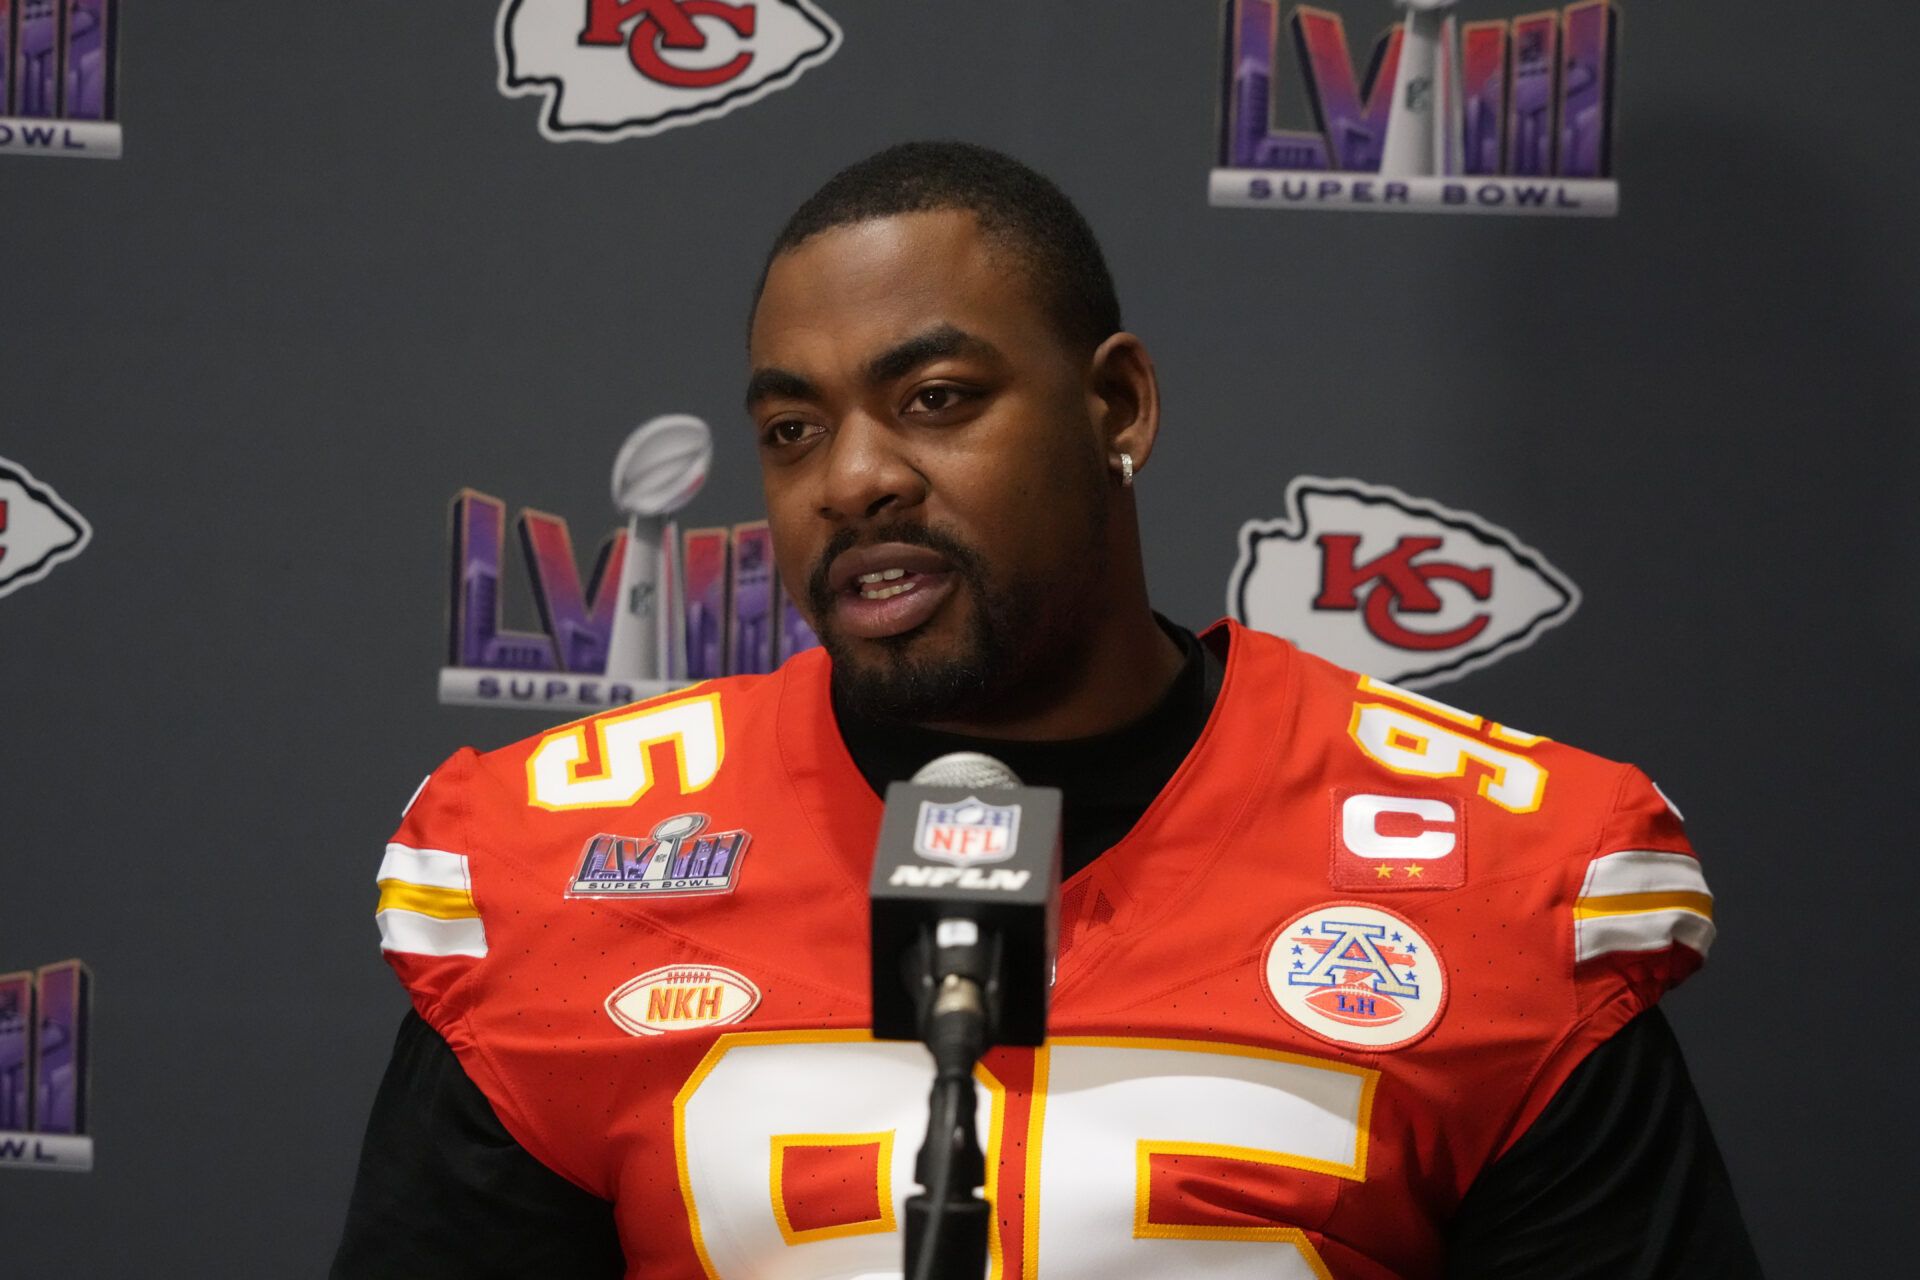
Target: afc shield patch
x: 1356, y: 975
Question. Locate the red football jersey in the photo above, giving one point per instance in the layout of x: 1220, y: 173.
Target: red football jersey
x: 1339, y: 965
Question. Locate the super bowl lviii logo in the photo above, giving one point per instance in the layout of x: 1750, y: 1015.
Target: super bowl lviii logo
x: 613, y: 69
x: 57, y: 78
x: 659, y: 609
x: 43, y: 1068
x: 1508, y: 112
x: 1398, y: 587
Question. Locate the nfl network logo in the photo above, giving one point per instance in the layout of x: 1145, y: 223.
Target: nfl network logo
x: 968, y: 833
x: 614, y: 69
x: 44, y: 1054
x: 1509, y: 113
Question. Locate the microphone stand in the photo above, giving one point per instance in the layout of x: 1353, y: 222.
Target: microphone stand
x: 947, y: 1221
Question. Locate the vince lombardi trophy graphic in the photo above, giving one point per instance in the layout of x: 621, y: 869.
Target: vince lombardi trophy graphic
x: 657, y: 471
x: 1425, y: 130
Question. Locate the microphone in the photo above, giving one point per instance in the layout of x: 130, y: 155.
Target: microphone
x: 966, y: 884
x: 965, y: 900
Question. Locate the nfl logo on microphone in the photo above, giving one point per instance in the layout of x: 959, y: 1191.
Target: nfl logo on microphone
x: 968, y: 833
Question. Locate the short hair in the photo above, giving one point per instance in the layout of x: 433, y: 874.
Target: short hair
x: 1016, y: 207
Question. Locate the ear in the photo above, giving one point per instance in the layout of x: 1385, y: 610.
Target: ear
x: 1123, y: 397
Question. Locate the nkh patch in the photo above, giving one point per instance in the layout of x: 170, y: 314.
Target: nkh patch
x: 1356, y: 975
x: 682, y: 998
x: 676, y: 860
x: 967, y: 833
x: 1383, y: 842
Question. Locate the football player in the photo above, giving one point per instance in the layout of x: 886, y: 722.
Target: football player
x: 1352, y: 983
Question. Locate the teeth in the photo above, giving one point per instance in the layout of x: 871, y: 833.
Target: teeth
x: 885, y: 593
x: 886, y: 575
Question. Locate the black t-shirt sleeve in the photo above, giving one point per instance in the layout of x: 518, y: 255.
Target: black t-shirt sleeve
x: 1618, y: 1179
x: 445, y: 1193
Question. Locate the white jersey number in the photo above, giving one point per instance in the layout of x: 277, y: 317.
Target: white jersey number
x: 796, y: 1155
x: 566, y: 771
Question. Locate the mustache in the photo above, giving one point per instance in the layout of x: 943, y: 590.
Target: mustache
x: 965, y: 560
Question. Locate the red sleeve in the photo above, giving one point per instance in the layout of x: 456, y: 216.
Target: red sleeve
x: 430, y: 926
x: 438, y: 886
x: 1637, y: 921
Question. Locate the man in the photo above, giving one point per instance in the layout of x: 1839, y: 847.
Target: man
x: 1265, y: 1057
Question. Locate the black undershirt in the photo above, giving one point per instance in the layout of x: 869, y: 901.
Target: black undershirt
x: 1106, y: 781
x: 1618, y: 1179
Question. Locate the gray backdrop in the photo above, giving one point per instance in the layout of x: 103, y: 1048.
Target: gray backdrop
x: 337, y: 277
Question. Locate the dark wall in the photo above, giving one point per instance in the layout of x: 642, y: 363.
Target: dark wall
x: 337, y: 277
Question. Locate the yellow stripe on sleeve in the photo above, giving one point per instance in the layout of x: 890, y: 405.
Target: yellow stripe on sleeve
x: 1622, y: 904
x: 426, y: 900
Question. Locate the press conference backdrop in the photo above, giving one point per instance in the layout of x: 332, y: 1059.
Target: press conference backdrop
x: 337, y: 276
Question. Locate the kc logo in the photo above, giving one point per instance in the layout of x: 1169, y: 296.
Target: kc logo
x: 38, y: 530
x: 1401, y: 588
x: 669, y: 24
x: 1397, y: 581
x: 615, y: 69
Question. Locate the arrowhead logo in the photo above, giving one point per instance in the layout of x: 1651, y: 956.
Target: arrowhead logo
x: 613, y: 69
x: 1400, y: 588
x: 37, y: 529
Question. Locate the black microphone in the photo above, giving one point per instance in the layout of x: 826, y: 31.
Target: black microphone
x: 965, y: 900
x: 966, y: 884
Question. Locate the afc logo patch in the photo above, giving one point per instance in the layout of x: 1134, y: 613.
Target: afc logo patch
x: 1356, y: 975
x: 1397, y: 843
x: 614, y: 69
x: 1400, y: 588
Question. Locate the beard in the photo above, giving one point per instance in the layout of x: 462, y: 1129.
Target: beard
x: 993, y: 661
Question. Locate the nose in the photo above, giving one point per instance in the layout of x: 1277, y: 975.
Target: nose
x: 868, y: 472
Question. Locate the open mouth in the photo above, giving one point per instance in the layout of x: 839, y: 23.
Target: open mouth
x: 886, y: 584
x: 888, y: 589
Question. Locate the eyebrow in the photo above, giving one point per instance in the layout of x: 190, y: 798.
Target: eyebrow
x: 939, y: 342
x: 768, y: 384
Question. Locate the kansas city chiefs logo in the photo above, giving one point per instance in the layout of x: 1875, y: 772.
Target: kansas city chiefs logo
x: 37, y: 529
x: 615, y: 69
x: 1400, y: 588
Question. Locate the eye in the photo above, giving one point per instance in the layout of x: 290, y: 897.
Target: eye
x: 937, y: 399
x: 787, y: 432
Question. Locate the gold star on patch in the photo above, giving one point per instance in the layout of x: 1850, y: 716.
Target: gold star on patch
x: 1383, y: 873
x: 1415, y: 870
